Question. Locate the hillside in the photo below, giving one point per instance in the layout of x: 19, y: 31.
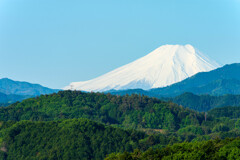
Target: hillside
x: 8, y: 86
x: 224, y: 80
x: 68, y: 139
x: 201, y: 103
x: 230, y: 112
x: 11, y: 98
x: 133, y: 111
x: 204, y: 103
x: 46, y: 126
x: 207, y: 150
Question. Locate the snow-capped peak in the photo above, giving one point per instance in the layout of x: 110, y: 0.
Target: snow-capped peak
x: 164, y: 66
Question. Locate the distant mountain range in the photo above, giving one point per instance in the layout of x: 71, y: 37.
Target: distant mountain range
x: 11, y: 98
x: 224, y: 80
x: 164, y: 66
x: 216, y: 88
x: 9, y: 86
x: 12, y: 91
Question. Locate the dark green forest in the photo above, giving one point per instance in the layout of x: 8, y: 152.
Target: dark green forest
x: 205, y: 103
x: 66, y: 139
x: 230, y: 112
x: 52, y: 126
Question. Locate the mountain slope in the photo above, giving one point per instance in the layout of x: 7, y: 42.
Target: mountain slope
x: 11, y: 98
x: 164, y: 66
x: 224, y: 80
x: 8, y: 86
x: 230, y: 112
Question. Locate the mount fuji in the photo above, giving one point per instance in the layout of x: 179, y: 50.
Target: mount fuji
x: 164, y: 66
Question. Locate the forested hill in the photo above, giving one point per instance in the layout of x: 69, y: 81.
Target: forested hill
x: 11, y: 98
x: 68, y: 139
x: 205, y: 102
x: 133, y: 111
x: 201, y: 103
x: 230, y: 112
x: 8, y: 86
x: 206, y: 150
x: 51, y: 126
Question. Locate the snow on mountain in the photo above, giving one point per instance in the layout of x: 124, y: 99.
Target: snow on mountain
x: 164, y: 66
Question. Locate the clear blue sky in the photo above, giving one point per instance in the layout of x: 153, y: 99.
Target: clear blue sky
x: 55, y: 42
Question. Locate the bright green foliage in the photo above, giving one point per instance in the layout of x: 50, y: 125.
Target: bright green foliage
x: 205, y: 150
x: 197, y: 130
